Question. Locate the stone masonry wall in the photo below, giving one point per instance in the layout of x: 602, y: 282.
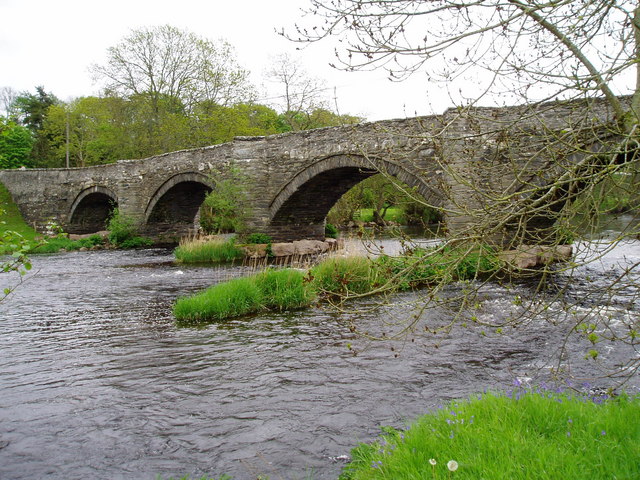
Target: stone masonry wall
x: 460, y: 160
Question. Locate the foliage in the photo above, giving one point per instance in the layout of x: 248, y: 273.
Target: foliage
x: 123, y: 231
x: 277, y: 290
x: 258, y: 238
x: 121, y: 227
x: 391, y: 214
x: 17, y: 247
x: 32, y: 111
x: 166, y: 89
x: 16, y: 239
x: 330, y: 230
x: 528, y: 433
x: 207, y: 251
x: 381, y: 198
x: 225, y: 208
x: 135, y: 242
x: 16, y: 143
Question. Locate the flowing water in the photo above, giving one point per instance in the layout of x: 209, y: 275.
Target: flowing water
x: 97, y: 381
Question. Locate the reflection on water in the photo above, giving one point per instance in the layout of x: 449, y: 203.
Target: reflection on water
x: 97, y: 381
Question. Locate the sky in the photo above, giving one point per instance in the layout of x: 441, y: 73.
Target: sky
x: 53, y: 44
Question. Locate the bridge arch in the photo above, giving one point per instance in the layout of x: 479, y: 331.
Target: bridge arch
x: 175, y: 204
x: 300, y: 207
x: 91, y: 209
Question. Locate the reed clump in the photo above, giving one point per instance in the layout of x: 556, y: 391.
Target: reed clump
x: 206, y: 250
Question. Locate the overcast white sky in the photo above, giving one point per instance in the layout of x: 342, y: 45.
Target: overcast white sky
x: 53, y: 42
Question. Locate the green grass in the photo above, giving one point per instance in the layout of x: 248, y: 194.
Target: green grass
x: 528, y: 434
x: 55, y: 244
x: 207, y: 251
x: 335, y: 277
x: 393, y: 214
x: 12, y: 218
x: 277, y: 290
x: 344, y: 276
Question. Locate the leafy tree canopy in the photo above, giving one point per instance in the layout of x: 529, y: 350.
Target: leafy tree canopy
x: 16, y: 143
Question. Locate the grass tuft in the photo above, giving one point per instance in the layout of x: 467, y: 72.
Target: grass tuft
x: 344, y: 276
x: 270, y: 290
x: 196, y: 250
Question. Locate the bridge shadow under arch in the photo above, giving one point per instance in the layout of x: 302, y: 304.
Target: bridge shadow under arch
x: 91, y: 209
x: 175, y: 204
x: 301, y: 206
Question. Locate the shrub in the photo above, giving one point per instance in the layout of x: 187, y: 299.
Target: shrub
x: 136, y: 242
x: 55, y: 244
x: 330, y: 230
x: 258, y: 238
x: 121, y: 227
x: 123, y: 232
x: 226, y: 207
x: 91, y: 241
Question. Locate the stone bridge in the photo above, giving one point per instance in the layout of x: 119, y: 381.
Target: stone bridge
x: 464, y: 161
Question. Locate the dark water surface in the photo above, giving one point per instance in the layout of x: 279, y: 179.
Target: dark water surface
x: 97, y: 381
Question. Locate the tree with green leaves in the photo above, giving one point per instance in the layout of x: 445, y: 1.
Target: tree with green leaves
x: 16, y: 143
x: 32, y: 111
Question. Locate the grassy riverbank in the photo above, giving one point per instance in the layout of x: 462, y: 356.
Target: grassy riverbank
x: 11, y: 218
x: 526, y: 434
x: 335, y: 277
x: 122, y: 234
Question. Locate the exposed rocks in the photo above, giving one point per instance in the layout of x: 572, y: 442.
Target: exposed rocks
x: 298, y: 248
x: 532, y: 256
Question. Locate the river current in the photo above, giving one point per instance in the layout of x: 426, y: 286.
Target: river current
x: 98, y: 382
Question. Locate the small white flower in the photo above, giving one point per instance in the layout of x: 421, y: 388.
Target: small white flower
x: 432, y: 461
x: 452, y: 465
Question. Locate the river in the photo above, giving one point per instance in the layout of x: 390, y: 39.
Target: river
x: 98, y: 382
